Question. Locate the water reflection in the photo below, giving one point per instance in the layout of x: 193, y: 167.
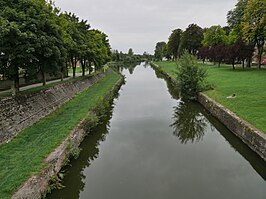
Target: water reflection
x: 189, y: 124
x: 89, y: 152
x: 140, y: 158
x: 120, y: 66
x: 172, y: 88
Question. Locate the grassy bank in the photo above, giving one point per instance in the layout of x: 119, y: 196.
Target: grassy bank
x: 24, y: 156
x: 249, y: 86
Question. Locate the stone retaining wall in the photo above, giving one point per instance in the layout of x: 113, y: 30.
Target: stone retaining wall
x: 253, y: 137
x: 20, y: 112
x: 250, y: 135
x: 38, y: 184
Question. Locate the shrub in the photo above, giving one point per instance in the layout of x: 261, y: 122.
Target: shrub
x: 190, y: 76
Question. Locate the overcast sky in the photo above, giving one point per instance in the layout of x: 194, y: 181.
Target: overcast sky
x: 140, y: 24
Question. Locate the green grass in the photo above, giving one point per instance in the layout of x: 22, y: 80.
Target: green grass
x: 24, y: 156
x: 169, y: 67
x: 249, y: 85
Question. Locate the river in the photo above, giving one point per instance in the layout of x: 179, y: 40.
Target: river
x: 153, y: 146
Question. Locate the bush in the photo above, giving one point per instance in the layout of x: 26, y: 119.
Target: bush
x: 190, y: 76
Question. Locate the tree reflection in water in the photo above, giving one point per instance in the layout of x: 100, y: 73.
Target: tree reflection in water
x: 189, y: 124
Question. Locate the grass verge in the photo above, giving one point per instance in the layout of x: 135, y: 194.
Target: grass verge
x: 248, y: 85
x: 24, y: 156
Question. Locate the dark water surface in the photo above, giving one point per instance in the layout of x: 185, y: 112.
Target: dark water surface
x: 153, y: 146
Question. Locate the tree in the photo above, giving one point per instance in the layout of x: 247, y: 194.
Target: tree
x: 190, y: 76
x: 74, y: 40
x: 159, y: 52
x: 99, y: 50
x: 203, y: 53
x: 219, y: 53
x: 49, y: 48
x: 130, y: 52
x: 235, y: 17
x: 30, y: 39
x: 215, y: 35
x: 254, y: 25
x: 192, y: 38
x: 173, y: 44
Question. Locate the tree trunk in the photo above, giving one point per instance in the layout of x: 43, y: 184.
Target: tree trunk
x: 74, y: 66
x: 233, y: 64
x: 251, y: 47
x: 260, y: 52
x: 243, y: 64
x: 249, y: 61
x: 83, y: 64
x: 66, y: 69
x: 90, y: 68
x: 15, y: 89
x: 62, y: 74
x: 43, y: 78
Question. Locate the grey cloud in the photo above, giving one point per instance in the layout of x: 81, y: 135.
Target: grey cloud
x: 140, y: 24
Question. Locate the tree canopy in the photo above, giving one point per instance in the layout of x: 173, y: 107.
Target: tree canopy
x: 173, y: 45
x: 160, y: 50
x: 215, y: 35
x: 35, y: 38
x: 254, y: 24
x: 192, y: 38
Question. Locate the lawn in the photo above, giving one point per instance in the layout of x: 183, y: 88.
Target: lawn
x: 248, y: 85
x: 169, y: 67
x: 24, y: 155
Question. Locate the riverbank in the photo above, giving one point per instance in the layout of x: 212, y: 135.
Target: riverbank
x: 20, y: 112
x: 248, y: 86
x: 249, y: 134
x: 26, y: 155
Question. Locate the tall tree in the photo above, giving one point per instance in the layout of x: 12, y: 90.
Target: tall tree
x: 49, y: 45
x: 173, y: 44
x: 254, y: 25
x: 235, y: 19
x: 30, y: 38
x: 159, y: 52
x: 75, y: 40
x: 130, y: 52
x: 192, y: 38
x: 215, y: 35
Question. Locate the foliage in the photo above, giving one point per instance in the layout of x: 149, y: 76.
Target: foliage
x: 192, y: 38
x: 233, y: 53
x: 189, y: 124
x: 215, y: 35
x: 190, y: 76
x: 29, y: 39
x: 37, y: 39
x: 173, y: 45
x: 127, y: 58
x: 235, y: 18
x: 248, y: 85
x: 159, y: 52
x: 254, y: 24
x: 24, y: 155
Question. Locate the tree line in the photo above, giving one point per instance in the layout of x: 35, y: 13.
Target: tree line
x: 235, y: 43
x: 37, y: 38
x: 130, y: 56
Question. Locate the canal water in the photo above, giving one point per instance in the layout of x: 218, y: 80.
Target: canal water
x: 153, y: 146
